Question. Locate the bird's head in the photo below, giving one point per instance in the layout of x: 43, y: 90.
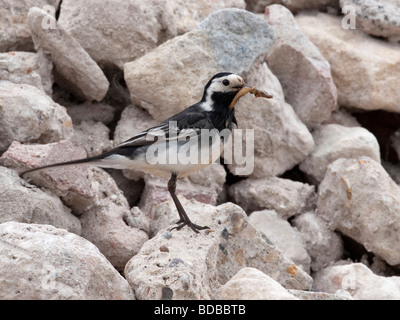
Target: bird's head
x: 221, y: 89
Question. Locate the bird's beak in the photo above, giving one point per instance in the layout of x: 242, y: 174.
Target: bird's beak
x: 240, y: 86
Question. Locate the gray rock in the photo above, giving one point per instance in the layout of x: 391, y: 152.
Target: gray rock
x: 203, y: 186
x: 293, y: 5
x: 89, y: 192
x: 282, y: 235
x: 188, y: 13
x: 312, y: 295
x: 285, y: 196
x: 43, y: 262
x: 237, y: 37
x: 378, y: 64
x: 195, y: 266
x: 29, y: 115
x: 92, y: 136
x: 376, y: 17
x: 241, y: 287
x: 359, y: 199
x: 333, y: 141
x: 323, y: 245
x: 285, y: 139
x: 181, y: 67
x: 124, y: 30
x: 359, y: 281
x: 73, y: 66
x: 14, y: 31
x: 303, y: 71
x: 23, y: 202
x: 27, y: 68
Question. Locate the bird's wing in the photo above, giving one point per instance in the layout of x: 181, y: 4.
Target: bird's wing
x: 182, y: 126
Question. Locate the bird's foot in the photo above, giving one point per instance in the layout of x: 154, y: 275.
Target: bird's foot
x: 195, y: 227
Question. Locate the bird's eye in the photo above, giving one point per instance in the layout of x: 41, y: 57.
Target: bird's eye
x: 225, y: 82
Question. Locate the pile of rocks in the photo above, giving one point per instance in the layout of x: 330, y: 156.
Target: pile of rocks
x: 317, y: 218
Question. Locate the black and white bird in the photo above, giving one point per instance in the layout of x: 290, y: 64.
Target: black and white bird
x: 179, y: 146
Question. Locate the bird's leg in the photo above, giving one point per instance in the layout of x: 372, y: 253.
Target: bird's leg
x: 183, y: 217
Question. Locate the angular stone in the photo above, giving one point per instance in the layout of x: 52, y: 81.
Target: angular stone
x: 43, y: 262
x: 27, y: 68
x: 241, y: 287
x: 22, y: 202
x: 72, y: 184
x: 133, y: 121
x: 187, y: 265
x: 359, y: 199
x: 312, y: 295
x: 378, y: 63
x: 75, y: 69
x: 203, y: 186
x: 302, y: 70
x: 93, y: 137
x: 293, y: 5
x: 285, y: 139
x: 359, y: 281
x: 323, y: 245
x: 334, y: 141
x: 29, y: 115
x: 285, y: 196
x: 229, y: 39
x: 14, y: 31
x: 282, y: 235
x: 88, y: 191
x: 188, y: 13
x: 379, y: 18
x: 124, y: 30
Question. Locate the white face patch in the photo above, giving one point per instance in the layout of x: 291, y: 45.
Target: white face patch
x: 229, y: 83
x: 226, y: 83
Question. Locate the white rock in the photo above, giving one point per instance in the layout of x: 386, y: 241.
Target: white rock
x: 313, y: 295
x: 292, y: 5
x: 376, y: 17
x: 180, y: 67
x: 343, y: 117
x: 323, y: 245
x: 285, y: 139
x: 89, y: 192
x: 203, y: 186
x: 33, y: 113
x: 27, y: 68
x: 332, y: 142
x: 359, y: 281
x: 133, y: 121
x: 302, y: 70
x: 43, y: 262
x: 94, y: 137
x: 15, y: 33
x: 74, y: 69
x: 378, y: 63
x: 242, y: 287
x: 23, y: 202
x: 188, y: 13
x: 124, y: 30
x: 285, y: 196
x: 359, y: 199
x: 283, y: 235
x: 186, y: 265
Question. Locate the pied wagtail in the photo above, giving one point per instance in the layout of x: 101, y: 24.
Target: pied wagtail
x: 214, y: 111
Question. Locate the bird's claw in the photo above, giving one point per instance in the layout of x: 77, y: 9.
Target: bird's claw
x: 195, y: 227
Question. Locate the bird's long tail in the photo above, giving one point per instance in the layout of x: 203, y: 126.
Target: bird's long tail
x: 96, y: 161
